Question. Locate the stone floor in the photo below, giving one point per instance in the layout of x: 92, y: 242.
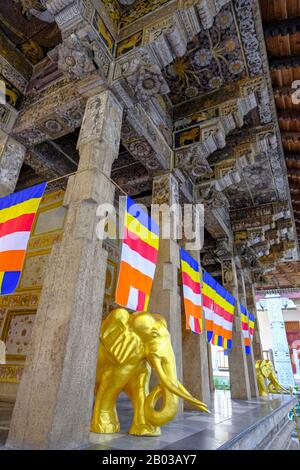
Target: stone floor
x: 6, y: 410
x: 194, y: 431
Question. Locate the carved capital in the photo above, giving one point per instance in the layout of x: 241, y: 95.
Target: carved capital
x: 211, y: 197
x: 192, y: 159
x: 165, y: 190
x: 223, y: 249
x: 74, y: 59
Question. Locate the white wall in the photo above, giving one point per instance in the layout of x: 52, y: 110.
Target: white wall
x: 290, y: 314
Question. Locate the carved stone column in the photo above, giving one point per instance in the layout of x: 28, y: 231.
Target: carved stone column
x: 195, y: 362
x: 55, y: 397
x: 251, y: 304
x: 12, y: 155
x: 238, y: 369
x: 249, y: 357
x: 165, y: 298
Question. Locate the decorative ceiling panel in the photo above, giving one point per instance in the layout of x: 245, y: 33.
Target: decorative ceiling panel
x: 214, y: 59
x: 32, y: 36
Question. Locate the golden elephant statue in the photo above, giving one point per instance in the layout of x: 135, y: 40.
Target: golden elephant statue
x: 265, y: 370
x: 130, y: 345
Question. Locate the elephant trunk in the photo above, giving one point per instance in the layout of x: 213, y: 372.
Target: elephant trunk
x: 169, y: 390
x: 170, y: 401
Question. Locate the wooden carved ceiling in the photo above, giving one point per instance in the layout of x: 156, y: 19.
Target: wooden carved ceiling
x: 281, y: 20
x: 286, y: 276
x: 29, y: 27
x: 213, y: 59
x: 205, y: 86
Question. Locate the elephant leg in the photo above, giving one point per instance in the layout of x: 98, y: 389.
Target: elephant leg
x: 105, y: 419
x: 136, y: 389
x: 263, y: 392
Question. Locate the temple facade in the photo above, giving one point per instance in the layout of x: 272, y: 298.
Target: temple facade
x: 170, y: 102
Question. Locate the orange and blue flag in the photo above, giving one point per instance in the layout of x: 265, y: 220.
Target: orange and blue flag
x: 251, y: 321
x: 17, y: 213
x: 228, y: 317
x: 219, y: 303
x: 191, y: 292
x: 208, y: 299
x: 218, y: 306
x: 245, y: 329
x: 139, y: 254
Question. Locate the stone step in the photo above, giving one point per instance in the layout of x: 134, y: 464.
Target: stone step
x: 272, y: 432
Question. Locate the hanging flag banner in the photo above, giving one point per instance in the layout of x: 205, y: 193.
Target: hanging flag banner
x: 251, y: 321
x: 245, y: 328
x: 17, y: 213
x: 228, y: 320
x: 208, y: 298
x: 218, y: 306
x: 191, y: 292
x: 139, y: 253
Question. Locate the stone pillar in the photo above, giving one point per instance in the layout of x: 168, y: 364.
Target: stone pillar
x: 249, y: 357
x: 55, y: 396
x: 195, y: 362
x: 282, y: 359
x: 12, y: 155
x: 238, y: 369
x: 165, y: 297
x: 251, y: 305
x: 210, y: 369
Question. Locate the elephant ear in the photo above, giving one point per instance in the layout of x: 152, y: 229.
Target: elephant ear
x: 120, y: 342
x: 265, y: 369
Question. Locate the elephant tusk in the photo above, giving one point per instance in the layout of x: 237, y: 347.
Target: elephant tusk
x: 177, y: 390
x: 196, y: 402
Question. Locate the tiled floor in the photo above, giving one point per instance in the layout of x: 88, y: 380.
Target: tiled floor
x: 192, y: 431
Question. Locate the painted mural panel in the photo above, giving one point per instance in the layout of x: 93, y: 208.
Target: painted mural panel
x: 17, y: 333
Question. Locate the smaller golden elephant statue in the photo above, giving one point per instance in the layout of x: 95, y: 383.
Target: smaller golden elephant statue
x: 130, y: 345
x: 265, y: 370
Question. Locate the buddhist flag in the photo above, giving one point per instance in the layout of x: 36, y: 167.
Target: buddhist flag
x: 208, y: 298
x: 245, y: 328
x: 191, y: 292
x: 251, y: 322
x: 228, y: 317
x: 138, y: 258
x: 218, y: 307
x: 17, y: 213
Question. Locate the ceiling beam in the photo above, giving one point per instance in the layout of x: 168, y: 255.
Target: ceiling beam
x: 282, y: 27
